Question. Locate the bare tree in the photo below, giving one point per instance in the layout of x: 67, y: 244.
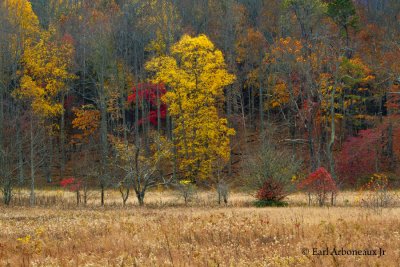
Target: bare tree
x: 143, y: 168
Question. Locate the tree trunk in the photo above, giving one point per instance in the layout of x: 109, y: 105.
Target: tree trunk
x: 7, y: 191
x: 1, y: 117
x: 229, y: 113
x: 49, y: 159
x: 32, y: 197
x: 102, y: 194
x: 20, y: 154
x: 78, y: 197
x: 332, y: 140
x: 390, y: 153
x: 104, y: 141
x: 62, y: 141
x: 124, y: 194
x: 85, y: 191
x: 140, y: 197
x: 261, y: 108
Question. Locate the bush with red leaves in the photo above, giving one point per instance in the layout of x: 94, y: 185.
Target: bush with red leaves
x: 271, y: 190
x: 71, y: 184
x: 151, y: 94
x: 359, y: 156
x: 320, y: 183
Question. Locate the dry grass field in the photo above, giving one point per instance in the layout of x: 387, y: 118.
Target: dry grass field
x: 167, y: 233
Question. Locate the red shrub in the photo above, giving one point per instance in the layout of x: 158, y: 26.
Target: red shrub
x: 71, y: 184
x: 359, y: 155
x: 319, y: 183
x: 271, y: 190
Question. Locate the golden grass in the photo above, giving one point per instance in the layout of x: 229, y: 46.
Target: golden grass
x: 166, y: 233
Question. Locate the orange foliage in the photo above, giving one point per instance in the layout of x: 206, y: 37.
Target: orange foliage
x: 87, y: 121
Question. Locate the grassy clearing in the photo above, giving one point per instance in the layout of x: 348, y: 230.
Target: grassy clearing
x: 166, y: 233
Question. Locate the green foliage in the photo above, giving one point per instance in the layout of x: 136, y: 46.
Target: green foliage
x: 270, y: 203
x: 343, y: 13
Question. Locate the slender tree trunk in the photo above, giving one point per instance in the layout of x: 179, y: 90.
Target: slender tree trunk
x: 1, y: 117
x: 310, y: 126
x: 32, y: 197
x: 62, y: 140
x: 20, y: 153
x: 261, y: 107
x: 331, y: 142
x: 174, y: 151
x: 7, y: 192
x: 102, y: 194
x: 390, y: 147
x: 49, y: 159
x: 349, y: 53
x: 124, y: 194
x: 78, y: 197
x: 158, y: 112
x: 104, y: 144
x: 229, y: 113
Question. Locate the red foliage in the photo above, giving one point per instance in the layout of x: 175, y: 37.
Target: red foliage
x: 71, y: 184
x: 319, y: 182
x: 359, y: 155
x: 67, y: 38
x: 151, y: 94
x: 272, y: 190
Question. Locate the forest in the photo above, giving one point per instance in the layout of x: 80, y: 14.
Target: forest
x: 199, y: 132
x: 257, y: 95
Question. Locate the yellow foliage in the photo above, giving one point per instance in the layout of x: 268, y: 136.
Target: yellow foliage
x: 118, y: 84
x: 45, y: 74
x: 326, y: 89
x: 286, y: 48
x: 20, y: 15
x: 87, y: 119
x: 280, y: 95
x: 159, y: 150
x: 196, y: 73
x: 161, y: 16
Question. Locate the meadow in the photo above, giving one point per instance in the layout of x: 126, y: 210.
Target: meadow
x: 165, y: 232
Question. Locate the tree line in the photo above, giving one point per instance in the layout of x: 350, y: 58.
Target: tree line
x: 136, y: 94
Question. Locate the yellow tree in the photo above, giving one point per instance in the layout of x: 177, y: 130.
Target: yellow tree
x: 19, y: 26
x: 45, y: 73
x: 196, y: 73
x: 23, y: 22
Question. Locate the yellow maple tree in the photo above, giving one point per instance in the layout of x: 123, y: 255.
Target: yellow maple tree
x: 196, y: 73
x: 45, y: 73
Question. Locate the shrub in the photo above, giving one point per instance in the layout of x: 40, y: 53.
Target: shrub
x: 319, y: 183
x: 270, y: 173
x: 376, y: 193
x: 187, y: 190
x: 271, y: 190
x: 73, y: 185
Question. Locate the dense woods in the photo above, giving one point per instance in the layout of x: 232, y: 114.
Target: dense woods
x: 265, y: 96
